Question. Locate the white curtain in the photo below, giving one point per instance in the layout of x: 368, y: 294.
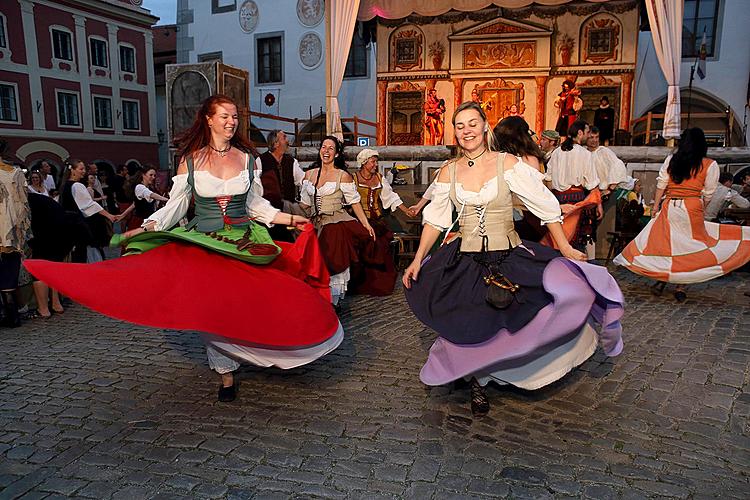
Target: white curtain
x: 395, y: 9
x: 665, y: 17
x: 342, y: 17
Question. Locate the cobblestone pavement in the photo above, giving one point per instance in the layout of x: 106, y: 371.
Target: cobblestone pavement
x: 93, y: 407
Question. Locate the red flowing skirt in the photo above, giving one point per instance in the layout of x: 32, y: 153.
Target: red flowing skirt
x: 375, y: 273
x: 285, y: 304
x: 342, y: 243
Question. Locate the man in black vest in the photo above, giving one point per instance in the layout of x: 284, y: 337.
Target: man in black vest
x: 281, y: 176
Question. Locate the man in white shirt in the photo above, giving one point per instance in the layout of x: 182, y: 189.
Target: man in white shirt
x: 572, y: 176
x: 47, y: 179
x: 724, y: 197
x: 612, y: 174
x: 610, y: 169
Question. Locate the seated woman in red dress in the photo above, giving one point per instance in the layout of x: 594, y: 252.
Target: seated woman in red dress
x: 375, y: 274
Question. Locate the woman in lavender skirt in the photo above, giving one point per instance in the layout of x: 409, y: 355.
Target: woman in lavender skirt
x: 505, y: 310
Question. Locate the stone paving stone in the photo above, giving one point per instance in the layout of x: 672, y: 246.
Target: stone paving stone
x: 210, y: 491
x: 82, y: 405
x: 61, y: 486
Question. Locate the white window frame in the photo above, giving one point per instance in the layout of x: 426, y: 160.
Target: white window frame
x: 135, y: 59
x: 106, y: 52
x: 5, y: 49
x: 138, y: 106
x: 57, y: 60
x: 18, y: 104
x: 220, y: 9
x: 94, y: 97
x: 57, y: 108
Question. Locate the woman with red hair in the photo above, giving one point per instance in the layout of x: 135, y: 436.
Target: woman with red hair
x: 221, y: 274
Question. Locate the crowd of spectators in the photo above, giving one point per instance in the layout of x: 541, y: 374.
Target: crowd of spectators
x: 71, y: 217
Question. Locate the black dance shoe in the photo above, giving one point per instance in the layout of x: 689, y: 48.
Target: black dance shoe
x: 658, y: 288
x: 480, y: 405
x: 10, y: 317
x: 227, y: 394
x: 680, y: 296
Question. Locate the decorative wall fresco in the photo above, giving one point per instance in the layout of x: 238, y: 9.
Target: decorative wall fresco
x: 512, y: 65
x: 498, y: 97
x: 600, y: 39
x: 407, y: 45
x: 494, y: 55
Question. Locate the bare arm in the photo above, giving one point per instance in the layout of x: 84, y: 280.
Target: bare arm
x: 657, y: 201
x: 362, y: 218
x: 556, y: 231
x: 419, y: 206
x: 290, y: 220
x: 158, y: 197
x: 127, y: 211
x: 426, y: 240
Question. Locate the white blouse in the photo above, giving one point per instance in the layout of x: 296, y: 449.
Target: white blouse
x: 390, y: 199
x: 523, y: 180
x: 84, y: 201
x: 609, y: 168
x: 307, y: 193
x: 572, y: 168
x: 143, y: 193
x: 709, y: 186
x: 43, y: 192
x: 208, y: 185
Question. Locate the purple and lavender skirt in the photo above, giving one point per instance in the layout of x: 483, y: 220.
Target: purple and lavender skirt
x: 547, y: 331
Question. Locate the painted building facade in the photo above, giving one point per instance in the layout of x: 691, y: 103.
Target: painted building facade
x: 77, y: 80
x: 513, y: 60
x: 281, y: 43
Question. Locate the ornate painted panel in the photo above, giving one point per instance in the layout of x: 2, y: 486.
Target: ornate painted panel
x: 494, y: 55
x: 498, y: 99
x: 407, y: 47
x: 600, y: 39
x: 405, y: 114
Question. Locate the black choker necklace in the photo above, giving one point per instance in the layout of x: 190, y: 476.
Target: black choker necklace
x: 222, y: 152
x: 471, y: 160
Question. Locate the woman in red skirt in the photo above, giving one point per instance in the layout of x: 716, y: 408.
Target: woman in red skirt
x: 326, y: 189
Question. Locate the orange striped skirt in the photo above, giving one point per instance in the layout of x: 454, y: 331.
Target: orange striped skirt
x: 678, y: 246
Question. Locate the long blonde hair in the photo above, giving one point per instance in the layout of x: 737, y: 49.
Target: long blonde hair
x: 489, y: 136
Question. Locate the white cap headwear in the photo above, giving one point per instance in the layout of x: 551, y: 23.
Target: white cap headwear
x: 628, y: 183
x: 365, y: 155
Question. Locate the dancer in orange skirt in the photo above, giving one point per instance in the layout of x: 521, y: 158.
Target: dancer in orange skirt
x: 678, y: 246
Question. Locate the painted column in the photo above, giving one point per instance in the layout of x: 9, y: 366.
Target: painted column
x: 381, y: 112
x: 114, y: 74
x: 627, y: 97
x: 541, y: 103
x: 458, y: 92
x: 32, y: 61
x: 82, y: 45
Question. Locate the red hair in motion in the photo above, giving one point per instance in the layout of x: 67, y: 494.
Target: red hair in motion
x: 198, y: 136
